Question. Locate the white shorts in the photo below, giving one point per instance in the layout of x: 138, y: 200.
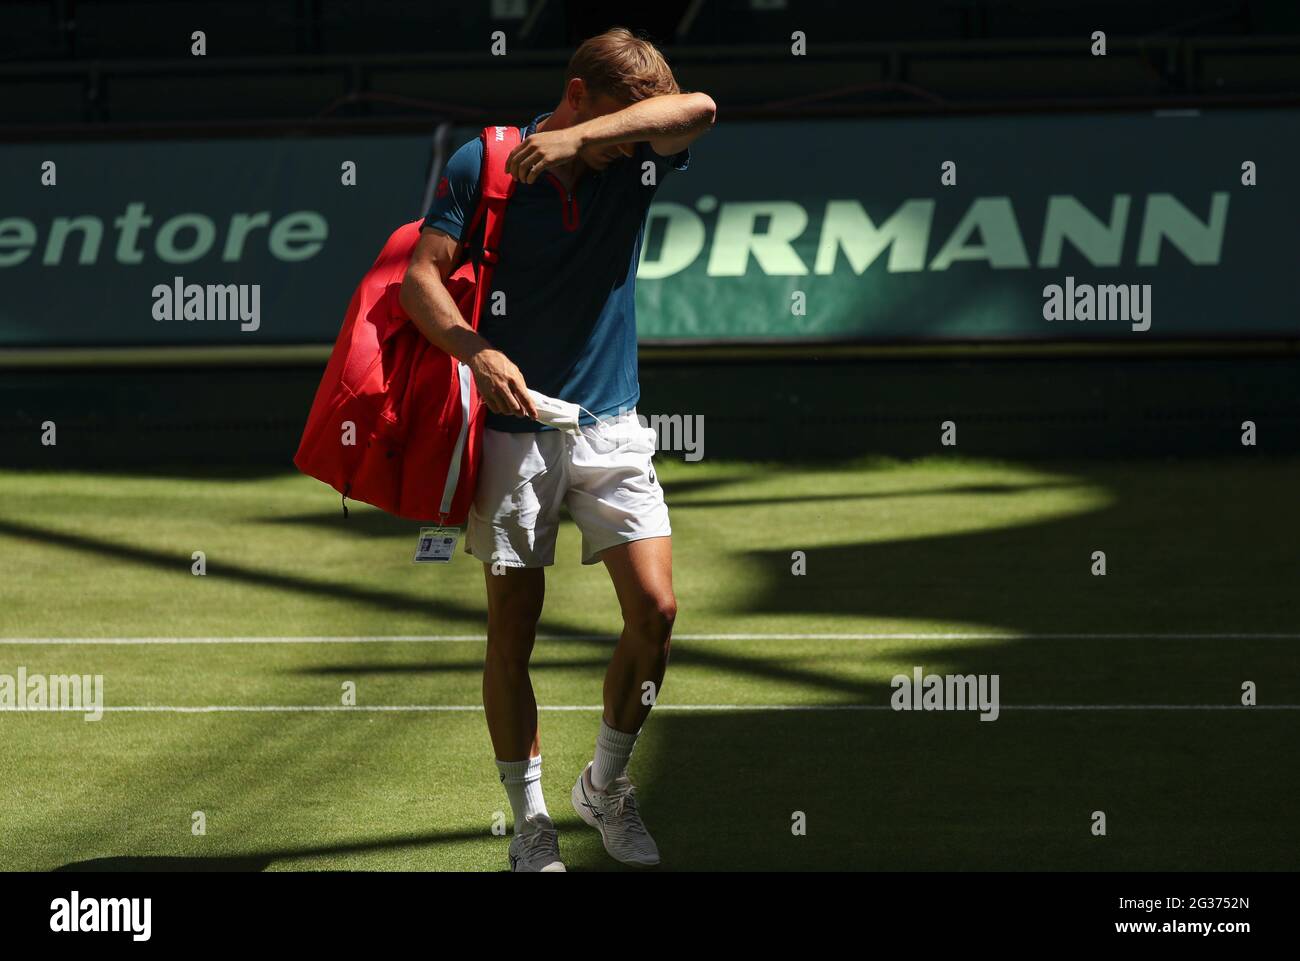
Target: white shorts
x: 604, y: 475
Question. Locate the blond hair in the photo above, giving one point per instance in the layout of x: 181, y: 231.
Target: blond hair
x: 619, y: 64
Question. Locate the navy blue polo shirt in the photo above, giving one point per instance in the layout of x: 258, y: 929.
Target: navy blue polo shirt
x: 567, y: 267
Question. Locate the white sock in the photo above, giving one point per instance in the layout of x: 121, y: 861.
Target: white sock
x: 523, y: 784
x: 613, y: 750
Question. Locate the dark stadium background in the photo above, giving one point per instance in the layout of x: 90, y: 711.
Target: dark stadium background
x: 120, y: 72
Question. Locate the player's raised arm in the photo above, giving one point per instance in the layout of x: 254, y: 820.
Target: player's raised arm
x: 669, y: 123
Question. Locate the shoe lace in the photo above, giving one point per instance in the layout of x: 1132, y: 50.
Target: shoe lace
x: 541, y: 840
x: 621, y: 803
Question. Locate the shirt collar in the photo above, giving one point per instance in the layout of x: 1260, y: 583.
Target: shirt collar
x: 532, y: 127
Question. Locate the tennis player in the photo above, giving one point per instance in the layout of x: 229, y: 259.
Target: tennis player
x: 562, y: 320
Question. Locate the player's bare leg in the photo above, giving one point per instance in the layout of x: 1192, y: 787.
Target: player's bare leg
x: 515, y: 600
x: 514, y: 606
x: 642, y: 572
x: 603, y: 795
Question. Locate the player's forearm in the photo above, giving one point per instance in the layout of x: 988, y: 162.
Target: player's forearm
x: 680, y: 115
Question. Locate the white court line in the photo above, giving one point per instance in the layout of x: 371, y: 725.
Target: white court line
x: 480, y: 638
x: 474, y: 708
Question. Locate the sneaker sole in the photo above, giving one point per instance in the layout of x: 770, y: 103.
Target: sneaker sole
x: 555, y: 867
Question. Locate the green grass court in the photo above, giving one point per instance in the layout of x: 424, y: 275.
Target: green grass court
x: 1205, y: 554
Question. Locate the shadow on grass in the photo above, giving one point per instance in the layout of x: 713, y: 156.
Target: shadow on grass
x: 1191, y: 549
x: 474, y: 666
x: 165, y: 562
x: 366, y: 522
x: 944, y: 791
x: 260, y: 860
x: 150, y: 865
x: 1210, y: 549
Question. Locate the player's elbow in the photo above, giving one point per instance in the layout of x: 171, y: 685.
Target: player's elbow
x: 406, y: 293
x: 411, y: 294
x: 704, y: 109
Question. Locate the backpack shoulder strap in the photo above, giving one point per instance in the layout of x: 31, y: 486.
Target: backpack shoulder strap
x: 494, y: 182
x: 494, y: 188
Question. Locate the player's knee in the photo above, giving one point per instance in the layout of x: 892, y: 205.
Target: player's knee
x: 510, y: 650
x: 512, y: 631
x: 666, y: 612
x: 504, y: 662
x: 652, y: 617
x: 516, y: 615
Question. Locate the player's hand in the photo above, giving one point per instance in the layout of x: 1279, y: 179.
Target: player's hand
x: 542, y: 151
x: 501, y: 385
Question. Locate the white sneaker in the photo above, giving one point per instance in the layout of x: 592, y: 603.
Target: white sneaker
x: 613, y: 813
x: 537, y: 848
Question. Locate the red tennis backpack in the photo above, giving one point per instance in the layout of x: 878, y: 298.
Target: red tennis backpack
x: 397, y: 422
